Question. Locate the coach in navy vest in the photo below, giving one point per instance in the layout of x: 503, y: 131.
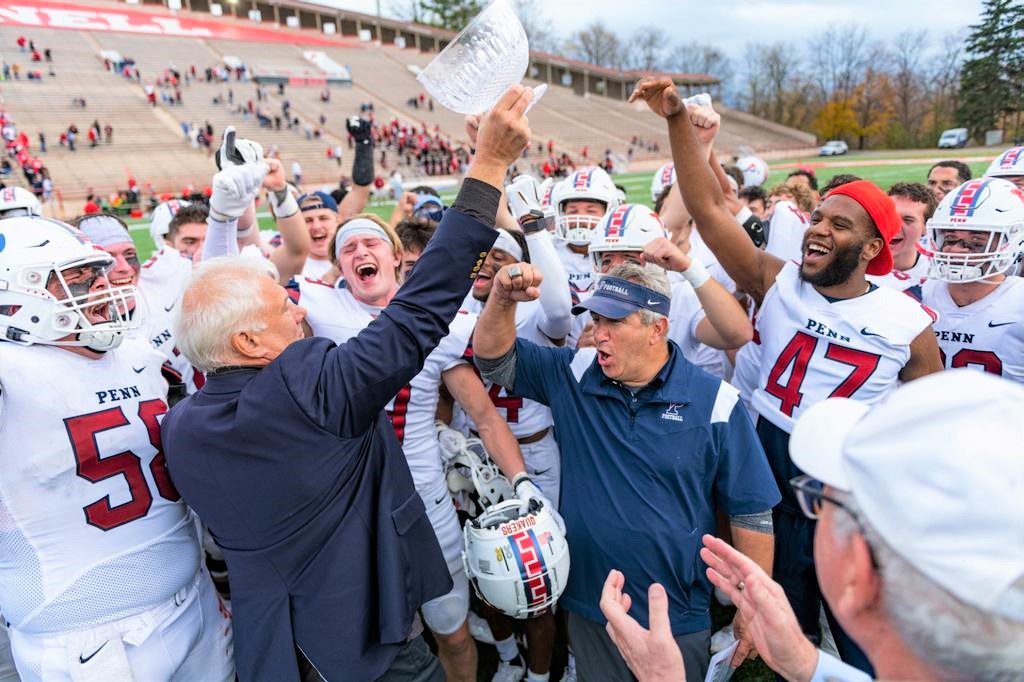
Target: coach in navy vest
x: 288, y: 458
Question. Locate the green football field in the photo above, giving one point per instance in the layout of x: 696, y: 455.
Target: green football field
x: 638, y: 188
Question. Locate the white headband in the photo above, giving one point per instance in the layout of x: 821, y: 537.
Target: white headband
x: 356, y: 228
x: 104, y: 231
x: 508, y: 244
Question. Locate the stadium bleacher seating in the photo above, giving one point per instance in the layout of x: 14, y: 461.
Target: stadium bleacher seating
x: 150, y: 146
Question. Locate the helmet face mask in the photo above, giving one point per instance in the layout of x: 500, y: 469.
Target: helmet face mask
x: 469, y: 469
x: 977, y: 232
x: 587, y: 184
x: 576, y: 229
x: 518, y: 562
x: 53, y: 301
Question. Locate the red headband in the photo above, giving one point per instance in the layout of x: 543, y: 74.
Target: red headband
x: 882, y: 210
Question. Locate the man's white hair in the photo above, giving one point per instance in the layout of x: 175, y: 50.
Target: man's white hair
x: 650, y: 276
x: 959, y: 640
x: 222, y: 298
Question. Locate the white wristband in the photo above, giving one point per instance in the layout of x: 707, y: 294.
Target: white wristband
x: 286, y: 208
x: 744, y: 215
x: 697, y: 275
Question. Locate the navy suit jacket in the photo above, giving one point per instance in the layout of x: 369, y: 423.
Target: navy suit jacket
x: 298, y: 474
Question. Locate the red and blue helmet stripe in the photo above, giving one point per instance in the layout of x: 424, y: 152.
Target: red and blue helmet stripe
x: 968, y: 197
x: 1010, y: 157
x: 582, y: 179
x: 617, y: 221
x: 532, y: 568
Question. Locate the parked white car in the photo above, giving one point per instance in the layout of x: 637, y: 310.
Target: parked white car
x: 954, y: 138
x: 833, y: 148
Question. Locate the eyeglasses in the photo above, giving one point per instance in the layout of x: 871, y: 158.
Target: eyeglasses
x: 810, y: 493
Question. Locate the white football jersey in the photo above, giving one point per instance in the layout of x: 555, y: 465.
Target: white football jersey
x: 315, y: 269
x: 786, y: 231
x: 162, y: 281
x: 333, y: 312
x: 92, y: 527
x: 525, y: 417
x: 578, y: 268
x: 909, y: 282
x: 700, y: 251
x: 987, y: 334
x: 685, y: 313
x: 813, y: 349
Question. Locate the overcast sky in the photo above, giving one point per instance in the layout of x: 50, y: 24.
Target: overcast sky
x: 730, y: 25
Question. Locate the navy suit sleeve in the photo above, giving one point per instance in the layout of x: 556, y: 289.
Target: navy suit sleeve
x: 357, y: 379
x: 744, y: 483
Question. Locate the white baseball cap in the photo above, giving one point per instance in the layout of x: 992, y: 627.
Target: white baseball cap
x: 938, y: 471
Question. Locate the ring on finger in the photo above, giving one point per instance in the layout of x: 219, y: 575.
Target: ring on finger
x: 514, y: 272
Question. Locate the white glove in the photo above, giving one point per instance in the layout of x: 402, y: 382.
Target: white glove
x: 237, y: 151
x: 451, y: 441
x: 702, y: 99
x: 234, y: 188
x: 524, y: 198
x: 526, y: 490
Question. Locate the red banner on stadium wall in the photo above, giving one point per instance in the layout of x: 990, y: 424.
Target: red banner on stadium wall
x: 35, y: 14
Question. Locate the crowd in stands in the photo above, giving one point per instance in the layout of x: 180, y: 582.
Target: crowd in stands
x: 420, y: 101
x: 36, y: 57
x: 17, y: 148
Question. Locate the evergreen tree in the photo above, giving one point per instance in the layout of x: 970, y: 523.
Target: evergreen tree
x: 990, y: 83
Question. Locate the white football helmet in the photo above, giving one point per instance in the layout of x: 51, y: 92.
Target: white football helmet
x: 36, y: 251
x: 991, y: 213
x: 627, y: 228
x: 160, y: 220
x: 754, y: 169
x: 586, y: 184
x: 469, y: 469
x: 665, y: 176
x: 18, y: 201
x: 518, y: 562
x: 547, y: 188
x: 1008, y: 164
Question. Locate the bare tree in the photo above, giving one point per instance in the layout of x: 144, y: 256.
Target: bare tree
x: 407, y: 10
x: 646, y: 50
x: 597, y: 45
x: 943, y: 78
x: 705, y: 59
x: 537, y: 26
x: 905, y: 58
x: 837, y: 59
x: 774, y: 86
